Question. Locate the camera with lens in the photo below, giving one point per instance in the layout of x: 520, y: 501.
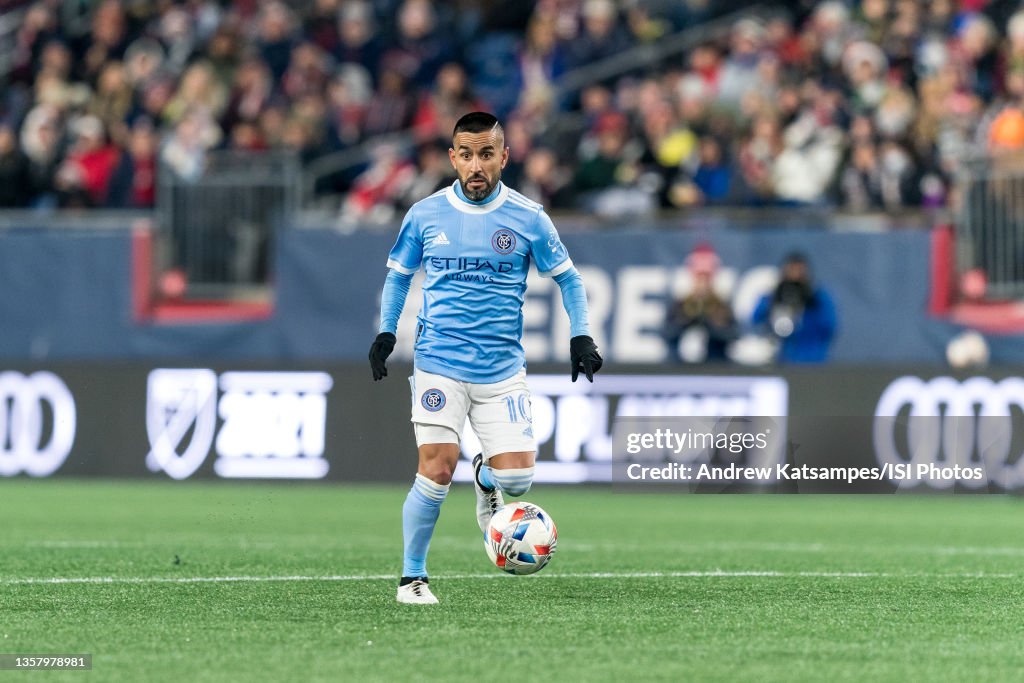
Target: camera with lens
x: 788, y: 304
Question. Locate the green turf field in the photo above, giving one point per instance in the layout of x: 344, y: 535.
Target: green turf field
x: 193, y: 582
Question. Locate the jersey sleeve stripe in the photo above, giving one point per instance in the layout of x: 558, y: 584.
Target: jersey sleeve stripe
x: 516, y: 194
x: 559, y: 269
x: 522, y: 201
x: 395, y: 265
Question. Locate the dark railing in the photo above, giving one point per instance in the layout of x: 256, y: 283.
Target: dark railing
x: 990, y: 225
x: 218, y: 228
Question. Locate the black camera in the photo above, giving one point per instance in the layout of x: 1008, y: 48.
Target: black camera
x: 791, y: 297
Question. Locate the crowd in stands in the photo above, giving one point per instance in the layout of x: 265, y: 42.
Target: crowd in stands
x: 863, y: 104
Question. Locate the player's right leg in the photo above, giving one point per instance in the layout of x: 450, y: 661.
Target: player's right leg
x: 439, y: 405
x: 422, y: 507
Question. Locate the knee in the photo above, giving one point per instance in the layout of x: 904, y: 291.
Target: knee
x: 437, y: 462
x: 439, y: 473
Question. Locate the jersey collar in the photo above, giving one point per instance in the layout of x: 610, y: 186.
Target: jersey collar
x: 496, y: 199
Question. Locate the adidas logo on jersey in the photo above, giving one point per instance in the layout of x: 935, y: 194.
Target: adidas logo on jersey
x: 441, y: 240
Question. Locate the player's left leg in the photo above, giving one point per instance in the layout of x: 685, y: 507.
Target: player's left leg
x: 511, y: 472
x: 501, y: 417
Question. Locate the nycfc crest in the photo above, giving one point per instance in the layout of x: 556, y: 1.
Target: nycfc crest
x: 503, y: 241
x: 433, y: 400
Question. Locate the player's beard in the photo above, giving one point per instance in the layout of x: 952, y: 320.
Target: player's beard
x: 478, y: 195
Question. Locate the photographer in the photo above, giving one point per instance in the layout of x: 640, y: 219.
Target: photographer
x: 798, y: 313
x: 700, y: 326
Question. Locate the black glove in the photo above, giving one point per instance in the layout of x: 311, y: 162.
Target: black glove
x: 583, y: 351
x: 381, y: 348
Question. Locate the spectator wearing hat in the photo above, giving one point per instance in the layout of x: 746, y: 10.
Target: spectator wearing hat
x: 700, y: 325
x: 739, y: 72
x: 602, y: 169
x: 608, y: 181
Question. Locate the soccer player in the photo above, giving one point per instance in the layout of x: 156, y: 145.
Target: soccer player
x: 475, y: 240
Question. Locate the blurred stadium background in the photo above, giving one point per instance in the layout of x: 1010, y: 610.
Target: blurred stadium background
x: 213, y: 187
x: 197, y: 198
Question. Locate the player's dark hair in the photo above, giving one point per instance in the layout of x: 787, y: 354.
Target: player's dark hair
x: 478, y: 122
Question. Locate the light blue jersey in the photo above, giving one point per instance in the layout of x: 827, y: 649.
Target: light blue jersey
x: 476, y: 257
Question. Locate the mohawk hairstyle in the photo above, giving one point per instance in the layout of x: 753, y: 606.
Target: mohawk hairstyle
x: 478, y: 122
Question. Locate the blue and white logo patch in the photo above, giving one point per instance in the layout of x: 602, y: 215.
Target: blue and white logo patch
x: 432, y: 400
x: 503, y: 241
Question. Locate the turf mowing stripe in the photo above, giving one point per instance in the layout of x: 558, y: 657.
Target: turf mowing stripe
x: 101, y: 580
x: 817, y: 548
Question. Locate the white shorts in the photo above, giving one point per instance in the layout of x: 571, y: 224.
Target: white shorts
x: 499, y: 413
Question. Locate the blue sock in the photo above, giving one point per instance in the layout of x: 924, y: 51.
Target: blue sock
x: 514, y: 482
x: 487, y: 477
x: 419, y: 515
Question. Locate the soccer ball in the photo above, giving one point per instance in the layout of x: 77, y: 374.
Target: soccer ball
x: 521, y: 538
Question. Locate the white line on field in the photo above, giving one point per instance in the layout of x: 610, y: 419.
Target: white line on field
x: 60, y: 580
x: 763, y: 546
x: 817, y: 548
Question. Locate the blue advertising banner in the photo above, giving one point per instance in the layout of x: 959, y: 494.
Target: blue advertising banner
x: 67, y: 294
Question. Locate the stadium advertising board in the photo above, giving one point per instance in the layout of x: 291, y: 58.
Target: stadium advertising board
x: 37, y: 423
x: 971, y: 427
x: 271, y: 423
x: 873, y: 430
x: 572, y: 422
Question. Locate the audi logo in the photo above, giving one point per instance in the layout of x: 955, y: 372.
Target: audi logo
x: 952, y: 423
x: 25, y: 444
